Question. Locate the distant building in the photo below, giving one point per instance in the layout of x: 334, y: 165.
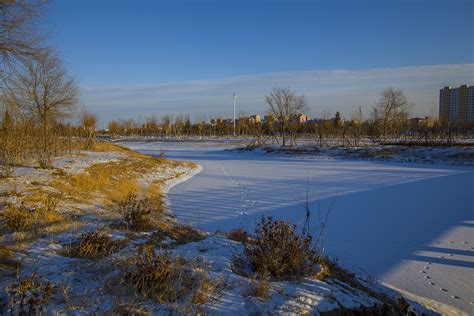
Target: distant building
x: 419, y: 122
x: 255, y: 119
x: 456, y: 105
x: 299, y: 118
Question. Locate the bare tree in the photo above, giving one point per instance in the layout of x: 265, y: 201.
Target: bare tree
x: 19, y: 39
x: 89, y: 124
x: 391, y: 108
x: 44, y: 90
x: 284, y: 103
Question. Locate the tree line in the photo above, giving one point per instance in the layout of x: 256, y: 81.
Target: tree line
x: 387, y: 122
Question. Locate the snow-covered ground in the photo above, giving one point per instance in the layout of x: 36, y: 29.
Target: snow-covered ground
x: 411, y: 225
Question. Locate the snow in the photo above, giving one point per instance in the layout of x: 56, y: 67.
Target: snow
x: 411, y: 225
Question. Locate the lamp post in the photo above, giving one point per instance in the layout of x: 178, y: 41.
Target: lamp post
x: 234, y: 97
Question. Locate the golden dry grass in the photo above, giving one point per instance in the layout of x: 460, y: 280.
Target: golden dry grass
x: 6, y: 258
x: 181, y: 234
x: 93, y: 245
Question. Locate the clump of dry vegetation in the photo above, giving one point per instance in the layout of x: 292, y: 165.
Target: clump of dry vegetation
x: 169, y: 279
x: 238, y: 234
x: 29, y: 296
x: 280, y: 251
x: 260, y: 288
x: 20, y: 218
x: 6, y: 258
x: 136, y: 212
x: 179, y: 233
x: 127, y: 309
x: 93, y: 245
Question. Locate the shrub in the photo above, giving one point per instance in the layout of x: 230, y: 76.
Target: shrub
x: 160, y: 277
x: 238, y: 234
x: 136, y: 212
x: 260, y: 289
x: 29, y: 296
x: 44, y: 158
x: 93, y: 245
x: 22, y: 218
x: 204, y: 286
x: 181, y: 234
x: 169, y: 279
x: 279, y: 251
x: 18, y: 218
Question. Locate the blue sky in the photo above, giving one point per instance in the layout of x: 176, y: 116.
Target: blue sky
x: 135, y: 45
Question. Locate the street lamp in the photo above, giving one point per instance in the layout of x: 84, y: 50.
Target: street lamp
x: 234, y: 97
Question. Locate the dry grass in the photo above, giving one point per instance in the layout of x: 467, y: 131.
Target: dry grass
x: 168, y: 279
x: 93, y: 245
x: 279, y: 251
x: 29, y: 296
x: 161, y: 277
x: 260, y: 289
x: 41, y: 213
x: 239, y: 235
x: 136, y: 212
x: 127, y: 309
x: 180, y: 234
x: 113, y: 181
x: 6, y: 258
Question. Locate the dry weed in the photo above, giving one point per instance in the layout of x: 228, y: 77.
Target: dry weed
x: 29, y: 296
x: 93, y: 245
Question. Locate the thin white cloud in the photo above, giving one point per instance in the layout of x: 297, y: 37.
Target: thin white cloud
x: 326, y: 90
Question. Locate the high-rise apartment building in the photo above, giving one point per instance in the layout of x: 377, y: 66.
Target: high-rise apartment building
x: 456, y: 105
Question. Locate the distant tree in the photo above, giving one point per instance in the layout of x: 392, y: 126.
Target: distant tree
x: 337, y: 120
x: 284, y: 103
x: 89, y: 124
x: 392, y: 108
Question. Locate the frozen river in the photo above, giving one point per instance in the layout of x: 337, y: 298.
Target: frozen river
x: 412, y: 226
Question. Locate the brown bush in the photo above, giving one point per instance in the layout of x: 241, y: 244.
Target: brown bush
x: 18, y: 218
x: 260, y: 289
x: 238, y: 234
x: 136, y: 212
x: 23, y: 218
x: 29, y: 296
x: 160, y: 277
x: 169, y: 279
x: 279, y: 251
x: 181, y: 234
x: 93, y: 245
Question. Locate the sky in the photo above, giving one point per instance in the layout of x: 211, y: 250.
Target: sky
x: 138, y: 58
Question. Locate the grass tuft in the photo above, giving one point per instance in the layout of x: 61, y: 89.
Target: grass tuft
x: 29, y: 296
x: 179, y: 233
x: 136, y: 212
x: 239, y: 235
x: 93, y: 245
